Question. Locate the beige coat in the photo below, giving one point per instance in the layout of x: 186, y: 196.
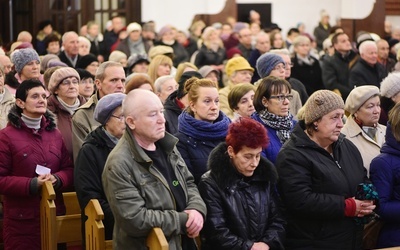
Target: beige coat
x: 223, y: 100
x: 368, y: 147
x: 5, y: 106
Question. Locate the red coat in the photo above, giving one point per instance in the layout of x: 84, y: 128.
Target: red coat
x: 21, y: 149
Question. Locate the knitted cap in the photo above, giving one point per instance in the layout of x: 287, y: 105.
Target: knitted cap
x: 237, y: 63
x: 59, y: 75
x: 391, y: 85
x: 106, y: 106
x: 267, y: 62
x: 320, y: 103
x: 22, y: 57
x: 132, y: 27
x: 358, y: 96
x: 239, y: 26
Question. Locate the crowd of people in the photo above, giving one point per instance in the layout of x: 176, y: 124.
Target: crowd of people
x: 232, y: 135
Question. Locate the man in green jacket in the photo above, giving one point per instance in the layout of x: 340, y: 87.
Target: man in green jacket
x: 147, y: 182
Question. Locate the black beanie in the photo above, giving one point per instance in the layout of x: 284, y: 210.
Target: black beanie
x: 86, y: 61
x: 186, y: 76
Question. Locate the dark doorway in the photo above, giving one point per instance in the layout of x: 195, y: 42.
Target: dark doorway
x: 263, y: 8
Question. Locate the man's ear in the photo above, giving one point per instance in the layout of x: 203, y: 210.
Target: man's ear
x: 130, y: 122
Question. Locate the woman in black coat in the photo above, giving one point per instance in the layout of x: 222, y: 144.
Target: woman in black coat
x: 319, y: 172
x: 239, y: 191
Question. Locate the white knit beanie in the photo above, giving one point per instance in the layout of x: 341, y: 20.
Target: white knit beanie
x: 391, y: 85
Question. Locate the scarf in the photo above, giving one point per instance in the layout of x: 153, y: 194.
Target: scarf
x: 282, y: 124
x: 202, y: 130
x: 136, y: 47
x: 370, y: 131
x: 70, y: 108
x: 305, y: 60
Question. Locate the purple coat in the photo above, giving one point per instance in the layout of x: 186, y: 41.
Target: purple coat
x: 385, y: 175
x: 21, y: 149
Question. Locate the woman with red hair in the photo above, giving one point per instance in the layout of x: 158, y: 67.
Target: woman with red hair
x: 239, y: 191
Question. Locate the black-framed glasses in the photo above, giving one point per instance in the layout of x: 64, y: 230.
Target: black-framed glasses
x: 282, y: 98
x: 120, y: 118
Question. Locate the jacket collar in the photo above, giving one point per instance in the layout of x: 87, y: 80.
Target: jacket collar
x: 354, y: 130
x: 93, y: 100
x: 167, y: 143
x: 48, y: 120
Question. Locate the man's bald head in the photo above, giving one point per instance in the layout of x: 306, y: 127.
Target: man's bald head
x: 136, y: 100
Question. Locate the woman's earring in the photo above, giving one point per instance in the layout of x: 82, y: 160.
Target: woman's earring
x: 316, y: 127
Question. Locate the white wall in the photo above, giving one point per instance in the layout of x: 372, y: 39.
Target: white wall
x: 287, y: 13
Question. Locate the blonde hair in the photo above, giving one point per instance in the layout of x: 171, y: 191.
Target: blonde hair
x: 193, y: 85
x: 181, y: 69
x: 155, y: 62
x: 394, y: 121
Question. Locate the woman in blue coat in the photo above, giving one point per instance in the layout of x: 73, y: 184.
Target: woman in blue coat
x: 385, y: 175
x: 202, y: 126
x: 271, y: 101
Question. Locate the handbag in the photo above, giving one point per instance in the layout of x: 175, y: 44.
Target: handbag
x: 371, y: 233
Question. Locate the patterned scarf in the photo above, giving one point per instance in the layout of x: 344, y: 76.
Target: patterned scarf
x: 282, y: 124
x: 202, y: 130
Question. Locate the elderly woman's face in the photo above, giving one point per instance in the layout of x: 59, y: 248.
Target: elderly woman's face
x: 369, y: 112
x: 31, y: 70
x: 246, y: 160
x: 245, y: 107
x: 278, y: 103
x: 116, y: 123
x: 329, y: 127
x: 68, y: 90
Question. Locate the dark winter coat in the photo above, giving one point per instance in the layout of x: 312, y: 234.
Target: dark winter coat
x: 180, y: 53
x: 320, y: 34
x: 385, y: 175
x: 364, y: 74
x: 64, y: 119
x: 206, y: 56
x: 336, y: 71
x: 124, y: 46
x: 313, y: 186
x: 89, y: 167
x: 240, y: 210
x: 63, y: 58
x: 171, y: 113
x: 21, y: 150
x: 309, y: 75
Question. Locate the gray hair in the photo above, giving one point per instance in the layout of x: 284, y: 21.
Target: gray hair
x: 366, y: 44
x: 102, y: 68
x: 67, y: 34
x: 160, y: 81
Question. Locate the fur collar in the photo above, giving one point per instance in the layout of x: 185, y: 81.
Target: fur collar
x: 226, y: 175
x: 49, y: 122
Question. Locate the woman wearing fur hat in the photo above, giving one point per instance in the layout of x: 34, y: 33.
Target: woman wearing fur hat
x: 362, y: 127
x: 319, y: 172
x: 27, y: 66
x: 271, y: 101
x: 239, y: 190
x: 29, y: 143
x: 92, y: 157
x: 65, y: 100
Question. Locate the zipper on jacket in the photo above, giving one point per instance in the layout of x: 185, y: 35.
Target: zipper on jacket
x: 337, y: 163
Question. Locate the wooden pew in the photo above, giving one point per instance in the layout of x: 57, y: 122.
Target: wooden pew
x: 59, y: 229
x: 95, y: 239
x: 94, y: 228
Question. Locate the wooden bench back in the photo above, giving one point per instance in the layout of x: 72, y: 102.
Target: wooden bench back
x: 58, y: 229
x: 95, y: 239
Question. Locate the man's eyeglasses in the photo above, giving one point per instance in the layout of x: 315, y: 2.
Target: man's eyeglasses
x: 282, y: 98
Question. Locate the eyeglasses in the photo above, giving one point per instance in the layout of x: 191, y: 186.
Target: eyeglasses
x: 282, y: 98
x: 66, y: 82
x: 120, y: 118
x: 279, y: 67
